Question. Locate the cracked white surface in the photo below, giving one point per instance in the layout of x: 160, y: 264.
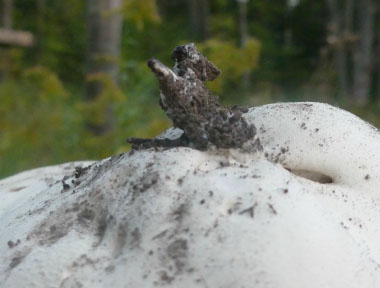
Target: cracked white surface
x: 185, y: 218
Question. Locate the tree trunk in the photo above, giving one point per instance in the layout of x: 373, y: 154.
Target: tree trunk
x: 348, y: 16
x: 363, y: 54
x: 41, y: 7
x: 199, y: 13
x: 288, y: 33
x: 104, y: 27
x: 349, y: 39
x: 338, y: 45
x: 243, y: 34
x: 378, y: 51
x: 7, y: 25
x: 7, y: 14
x: 243, y: 23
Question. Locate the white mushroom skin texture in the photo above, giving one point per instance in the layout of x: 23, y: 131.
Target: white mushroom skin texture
x: 303, y: 212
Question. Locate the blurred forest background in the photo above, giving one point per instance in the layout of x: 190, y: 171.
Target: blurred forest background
x: 74, y: 82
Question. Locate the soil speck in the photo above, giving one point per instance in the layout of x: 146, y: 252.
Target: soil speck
x: 16, y: 189
x: 15, y: 261
x: 250, y: 210
x: 272, y: 209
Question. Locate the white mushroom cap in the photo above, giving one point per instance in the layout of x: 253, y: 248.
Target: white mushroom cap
x: 223, y: 218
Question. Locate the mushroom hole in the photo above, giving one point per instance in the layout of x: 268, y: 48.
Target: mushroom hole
x: 312, y: 175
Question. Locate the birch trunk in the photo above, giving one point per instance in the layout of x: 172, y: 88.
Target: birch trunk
x: 104, y: 40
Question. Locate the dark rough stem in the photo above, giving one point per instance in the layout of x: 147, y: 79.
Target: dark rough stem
x: 193, y: 108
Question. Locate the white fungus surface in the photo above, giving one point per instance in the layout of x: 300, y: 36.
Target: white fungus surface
x: 302, y: 212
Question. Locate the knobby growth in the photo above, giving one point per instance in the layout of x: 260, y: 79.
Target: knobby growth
x: 193, y: 108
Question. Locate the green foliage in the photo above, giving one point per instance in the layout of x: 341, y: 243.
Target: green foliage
x: 233, y: 61
x: 291, y: 41
x: 48, y: 124
x: 48, y: 88
x: 95, y: 111
x: 60, y: 30
x: 223, y: 25
x: 45, y: 119
x: 34, y: 132
x: 140, y: 12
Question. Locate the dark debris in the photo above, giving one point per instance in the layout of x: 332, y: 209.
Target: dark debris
x: 193, y: 108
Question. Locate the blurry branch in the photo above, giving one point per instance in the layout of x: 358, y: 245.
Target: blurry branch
x: 16, y: 38
x: 9, y: 37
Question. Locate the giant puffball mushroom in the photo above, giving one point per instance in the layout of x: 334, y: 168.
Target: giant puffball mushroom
x: 301, y: 211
